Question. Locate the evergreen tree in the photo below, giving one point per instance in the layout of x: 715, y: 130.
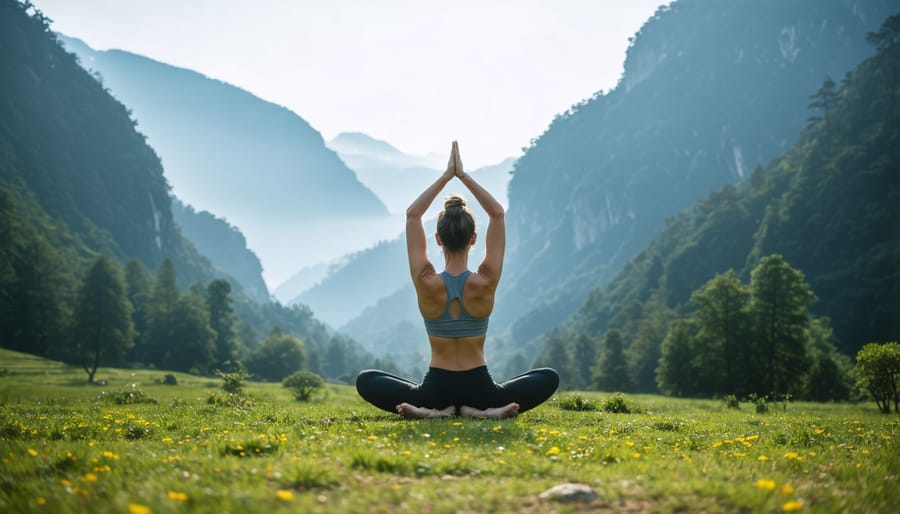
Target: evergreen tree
x: 644, y: 352
x: 193, y: 341
x: 102, y: 329
x: 723, y: 321
x: 779, y: 300
x: 335, y: 357
x: 223, y: 321
x: 163, y: 299
x: 675, y: 373
x: 584, y: 357
x: 611, y: 373
x: 556, y: 356
x: 825, y: 99
x: 139, y: 284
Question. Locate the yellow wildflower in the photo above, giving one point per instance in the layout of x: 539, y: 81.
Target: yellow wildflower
x: 137, y: 508
x: 33, y: 453
x: 792, y: 506
x: 765, y: 484
x: 40, y: 500
x: 90, y: 477
x: 762, y: 458
x: 787, y: 489
x: 554, y: 450
x: 284, y: 495
x: 178, y: 496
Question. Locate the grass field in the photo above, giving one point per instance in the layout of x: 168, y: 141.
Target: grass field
x: 69, y: 447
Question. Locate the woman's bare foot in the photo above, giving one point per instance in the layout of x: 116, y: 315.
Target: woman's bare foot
x: 411, y: 411
x: 507, y: 411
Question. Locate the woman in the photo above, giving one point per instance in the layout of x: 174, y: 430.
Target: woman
x: 456, y: 305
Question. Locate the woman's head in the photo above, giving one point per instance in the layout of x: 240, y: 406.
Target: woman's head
x: 455, y: 225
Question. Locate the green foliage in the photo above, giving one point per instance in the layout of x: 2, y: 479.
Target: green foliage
x: 194, y: 347
x: 102, y: 329
x: 779, y: 301
x: 676, y: 372
x: 277, y: 357
x: 577, y: 402
x: 731, y: 401
x: 233, y: 381
x: 128, y: 395
x: 878, y: 371
x: 617, y: 404
x: 303, y: 384
x: 223, y: 322
x: 611, y: 372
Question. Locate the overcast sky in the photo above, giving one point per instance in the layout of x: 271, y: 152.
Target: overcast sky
x: 416, y: 73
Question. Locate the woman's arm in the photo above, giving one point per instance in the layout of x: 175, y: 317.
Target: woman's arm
x: 495, y: 239
x: 416, y: 243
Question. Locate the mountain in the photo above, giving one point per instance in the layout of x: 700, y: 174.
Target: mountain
x: 226, y: 247
x: 830, y: 205
x: 710, y: 91
x: 228, y: 152
x: 398, y: 178
x: 77, y: 180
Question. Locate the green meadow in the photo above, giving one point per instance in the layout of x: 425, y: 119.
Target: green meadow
x: 71, y: 447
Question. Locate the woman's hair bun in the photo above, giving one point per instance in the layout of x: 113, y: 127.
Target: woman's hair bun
x: 454, y: 202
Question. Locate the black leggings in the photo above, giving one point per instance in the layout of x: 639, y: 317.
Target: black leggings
x: 441, y: 388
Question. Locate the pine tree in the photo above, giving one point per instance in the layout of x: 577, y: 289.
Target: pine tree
x: 102, y: 329
x: 139, y: 283
x: 676, y: 370
x: 779, y: 300
x: 193, y: 341
x: 723, y: 322
x: 335, y: 357
x: 163, y: 298
x: 584, y: 357
x: 611, y: 373
x: 223, y: 321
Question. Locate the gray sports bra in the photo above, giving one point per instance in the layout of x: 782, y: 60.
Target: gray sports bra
x: 463, y: 326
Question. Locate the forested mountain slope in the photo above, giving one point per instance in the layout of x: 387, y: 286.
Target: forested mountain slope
x: 710, y: 91
x: 78, y: 183
x: 830, y: 205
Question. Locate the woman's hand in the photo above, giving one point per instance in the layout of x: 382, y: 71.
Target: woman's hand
x: 457, y: 162
x: 454, y: 165
x: 450, y: 172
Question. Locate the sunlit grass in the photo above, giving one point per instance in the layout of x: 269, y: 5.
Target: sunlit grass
x: 65, y: 450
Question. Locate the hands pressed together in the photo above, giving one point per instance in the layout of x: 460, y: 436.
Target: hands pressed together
x: 454, y: 165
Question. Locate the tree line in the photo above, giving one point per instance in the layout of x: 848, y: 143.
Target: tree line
x: 755, y: 339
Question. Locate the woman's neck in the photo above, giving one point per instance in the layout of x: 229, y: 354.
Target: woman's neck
x: 456, y: 263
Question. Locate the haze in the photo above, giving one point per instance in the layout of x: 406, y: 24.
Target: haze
x: 416, y: 74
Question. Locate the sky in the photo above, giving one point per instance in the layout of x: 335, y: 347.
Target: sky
x: 491, y: 74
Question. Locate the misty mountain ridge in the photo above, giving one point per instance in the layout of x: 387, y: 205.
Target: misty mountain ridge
x: 228, y: 152
x: 398, y: 178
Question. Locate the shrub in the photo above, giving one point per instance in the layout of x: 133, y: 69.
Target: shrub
x: 233, y: 381
x: 618, y: 405
x: 731, y: 402
x: 878, y: 371
x: 577, y: 402
x: 130, y: 394
x: 303, y: 384
x: 759, y: 403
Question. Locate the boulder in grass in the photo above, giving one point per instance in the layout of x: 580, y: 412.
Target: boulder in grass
x: 569, y: 493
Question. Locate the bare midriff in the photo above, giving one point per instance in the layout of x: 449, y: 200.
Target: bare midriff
x: 457, y: 353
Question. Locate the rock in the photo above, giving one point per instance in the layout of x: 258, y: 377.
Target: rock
x: 569, y: 493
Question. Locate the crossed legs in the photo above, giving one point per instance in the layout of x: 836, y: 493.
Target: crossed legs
x: 473, y: 392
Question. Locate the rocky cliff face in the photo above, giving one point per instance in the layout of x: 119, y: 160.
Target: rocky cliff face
x: 710, y: 91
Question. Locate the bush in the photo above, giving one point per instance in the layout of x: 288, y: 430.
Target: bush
x: 617, y: 404
x: 277, y: 357
x: 233, y: 381
x: 759, y: 403
x: 878, y: 371
x: 130, y: 394
x: 303, y: 384
x: 731, y: 402
x: 577, y: 402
